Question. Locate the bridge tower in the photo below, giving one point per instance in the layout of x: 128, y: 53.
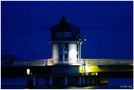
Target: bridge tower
x: 66, y: 43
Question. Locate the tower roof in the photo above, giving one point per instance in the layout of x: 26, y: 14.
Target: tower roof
x: 65, y: 29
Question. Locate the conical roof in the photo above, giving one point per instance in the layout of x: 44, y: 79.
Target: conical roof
x: 65, y: 29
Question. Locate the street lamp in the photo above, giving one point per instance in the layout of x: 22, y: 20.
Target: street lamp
x: 28, y: 71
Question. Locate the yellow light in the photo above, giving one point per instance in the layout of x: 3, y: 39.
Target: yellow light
x: 28, y: 71
x: 81, y: 69
x: 86, y: 69
x: 96, y: 74
x: 94, y: 69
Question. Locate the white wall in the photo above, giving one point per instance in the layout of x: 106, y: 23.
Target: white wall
x: 72, y: 56
x: 72, y: 53
x: 55, y: 53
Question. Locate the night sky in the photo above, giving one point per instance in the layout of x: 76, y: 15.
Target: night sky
x: 107, y: 26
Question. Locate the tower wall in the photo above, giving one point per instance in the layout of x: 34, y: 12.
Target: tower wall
x: 66, y: 43
x: 72, y: 56
x: 55, y: 53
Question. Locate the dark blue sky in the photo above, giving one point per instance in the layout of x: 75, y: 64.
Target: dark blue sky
x: 107, y: 26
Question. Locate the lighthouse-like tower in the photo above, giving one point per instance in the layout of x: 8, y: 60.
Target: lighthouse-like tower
x: 66, y: 43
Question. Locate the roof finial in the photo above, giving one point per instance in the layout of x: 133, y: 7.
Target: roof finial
x: 63, y: 20
x: 63, y: 17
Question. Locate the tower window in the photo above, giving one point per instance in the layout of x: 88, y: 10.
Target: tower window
x: 59, y: 34
x: 67, y: 34
x: 77, y: 47
x: 77, y: 56
x: 66, y: 56
x: 66, y: 45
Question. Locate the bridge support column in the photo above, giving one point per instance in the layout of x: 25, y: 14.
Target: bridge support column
x: 30, y: 82
x: 88, y: 80
x: 37, y: 81
x: 50, y: 81
x: 80, y: 80
x: 66, y: 81
x: 83, y: 80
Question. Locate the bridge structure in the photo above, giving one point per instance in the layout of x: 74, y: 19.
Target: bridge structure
x: 49, y: 62
x: 66, y: 67
x: 87, y: 65
x: 88, y: 72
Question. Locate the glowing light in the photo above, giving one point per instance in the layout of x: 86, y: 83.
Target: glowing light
x: 94, y: 69
x: 86, y: 69
x: 94, y: 73
x: 28, y: 71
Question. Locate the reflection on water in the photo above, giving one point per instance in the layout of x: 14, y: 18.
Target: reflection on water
x: 20, y: 83
x: 120, y: 81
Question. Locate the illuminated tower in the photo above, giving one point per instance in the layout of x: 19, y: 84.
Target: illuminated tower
x: 66, y: 43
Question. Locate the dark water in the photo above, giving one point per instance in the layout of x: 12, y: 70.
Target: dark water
x: 113, y: 83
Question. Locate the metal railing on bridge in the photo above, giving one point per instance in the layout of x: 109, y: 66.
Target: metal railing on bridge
x: 108, y: 61
x: 49, y: 62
